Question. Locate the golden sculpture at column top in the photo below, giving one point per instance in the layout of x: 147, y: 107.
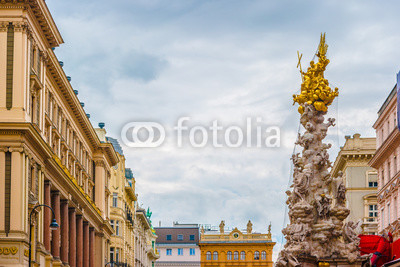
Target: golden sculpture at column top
x: 315, y: 88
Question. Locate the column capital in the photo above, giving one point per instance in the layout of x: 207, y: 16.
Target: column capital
x: 64, y: 201
x: 72, y: 209
x: 55, y: 192
x: 47, y: 182
x: 16, y: 149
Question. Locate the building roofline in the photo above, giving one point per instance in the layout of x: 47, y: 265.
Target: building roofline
x: 386, y: 102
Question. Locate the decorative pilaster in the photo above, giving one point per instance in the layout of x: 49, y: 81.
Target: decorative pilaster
x: 79, y: 241
x: 55, y: 242
x: 64, y: 231
x: 72, y: 237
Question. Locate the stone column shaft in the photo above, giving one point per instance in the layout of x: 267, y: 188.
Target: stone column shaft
x: 64, y: 231
x: 79, y: 241
x: 91, y: 247
x: 86, y: 244
x: 72, y: 237
x: 55, y: 242
x: 47, y: 216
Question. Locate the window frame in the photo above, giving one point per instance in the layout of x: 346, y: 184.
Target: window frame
x: 215, y: 256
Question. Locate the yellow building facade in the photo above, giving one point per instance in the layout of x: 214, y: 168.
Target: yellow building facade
x: 236, y: 248
x: 122, y: 200
x: 49, y: 151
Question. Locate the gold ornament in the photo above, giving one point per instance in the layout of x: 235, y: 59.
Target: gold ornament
x: 315, y: 88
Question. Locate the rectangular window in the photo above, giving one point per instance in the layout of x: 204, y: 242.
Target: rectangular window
x: 10, y: 66
x: 191, y: 238
x: 388, y: 209
x: 372, y: 184
x: 383, y: 218
x: 192, y: 252
x: 112, y: 254
x: 389, y: 172
x: 180, y: 237
x: 372, y: 212
x: 117, y: 255
x: 169, y: 237
x: 115, y: 200
x: 180, y: 251
x: 112, y: 223
x: 169, y: 252
x: 117, y: 228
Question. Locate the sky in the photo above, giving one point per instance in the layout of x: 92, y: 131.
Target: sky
x: 224, y: 61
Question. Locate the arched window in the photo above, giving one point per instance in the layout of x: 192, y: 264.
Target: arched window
x: 208, y: 255
x: 229, y: 255
x: 263, y: 255
x: 257, y: 255
x: 215, y: 256
x: 236, y: 255
x: 243, y: 256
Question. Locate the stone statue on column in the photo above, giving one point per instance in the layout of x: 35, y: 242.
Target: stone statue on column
x: 316, y: 200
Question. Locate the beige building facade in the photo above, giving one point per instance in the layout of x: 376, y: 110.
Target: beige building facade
x: 360, y: 179
x: 145, y: 240
x: 49, y: 152
x: 122, y: 211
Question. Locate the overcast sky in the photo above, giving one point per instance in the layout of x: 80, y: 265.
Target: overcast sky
x: 159, y: 60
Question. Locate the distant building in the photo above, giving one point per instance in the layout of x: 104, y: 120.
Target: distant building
x: 386, y: 161
x: 361, y: 181
x: 236, y: 248
x: 178, y: 245
x: 122, y: 210
x: 145, y: 240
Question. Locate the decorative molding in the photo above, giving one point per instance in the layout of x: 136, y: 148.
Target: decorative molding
x: 3, y: 26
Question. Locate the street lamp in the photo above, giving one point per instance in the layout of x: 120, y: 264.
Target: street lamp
x: 53, y: 226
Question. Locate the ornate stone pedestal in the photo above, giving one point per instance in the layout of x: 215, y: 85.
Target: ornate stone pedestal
x: 312, y: 262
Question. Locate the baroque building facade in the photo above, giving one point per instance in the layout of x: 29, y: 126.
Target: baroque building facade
x: 360, y: 179
x: 49, y: 151
x: 236, y: 248
x: 386, y: 161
